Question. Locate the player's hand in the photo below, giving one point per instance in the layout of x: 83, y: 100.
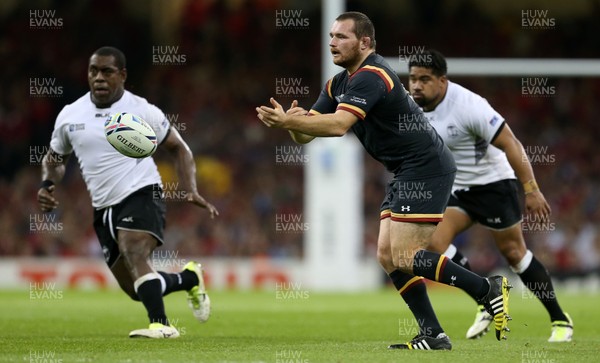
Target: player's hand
x: 536, y: 204
x: 198, y: 200
x: 45, y: 197
x: 272, y: 117
x: 295, y: 110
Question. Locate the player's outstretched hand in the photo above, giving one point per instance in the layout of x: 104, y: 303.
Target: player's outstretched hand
x: 198, y: 200
x: 272, y: 117
x: 295, y: 110
x: 45, y: 197
x: 536, y: 204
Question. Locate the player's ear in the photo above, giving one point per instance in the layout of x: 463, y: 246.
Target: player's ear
x: 123, y: 72
x: 443, y: 79
x: 365, y: 43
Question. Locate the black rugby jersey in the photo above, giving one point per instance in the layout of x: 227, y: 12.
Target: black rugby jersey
x: 391, y: 126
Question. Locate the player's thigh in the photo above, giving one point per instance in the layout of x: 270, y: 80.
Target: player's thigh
x: 406, y: 238
x: 140, y: 221
x: 136, y: 244
x: 510, y: 243
x: 455, y: 221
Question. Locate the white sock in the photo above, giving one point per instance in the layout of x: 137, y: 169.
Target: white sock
x: 451, y: 251
x: 523, y: 264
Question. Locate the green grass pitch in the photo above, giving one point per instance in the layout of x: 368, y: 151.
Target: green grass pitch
x: 280, y: 327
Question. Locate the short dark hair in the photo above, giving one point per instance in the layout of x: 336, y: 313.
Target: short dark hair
x: 430, y: 59
x: 120, y: 60
x: 363, y: 27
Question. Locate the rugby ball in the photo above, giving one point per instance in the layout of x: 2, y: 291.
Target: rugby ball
x: 130, y: 135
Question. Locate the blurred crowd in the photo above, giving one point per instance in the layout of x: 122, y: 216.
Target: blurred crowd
x: 234, y: 53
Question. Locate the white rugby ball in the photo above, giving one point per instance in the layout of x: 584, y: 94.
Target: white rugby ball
x: 130, y: 135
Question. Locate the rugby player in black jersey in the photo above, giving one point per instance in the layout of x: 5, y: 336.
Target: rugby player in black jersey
x: 369, y: 99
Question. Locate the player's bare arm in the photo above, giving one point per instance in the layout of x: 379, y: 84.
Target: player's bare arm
x: 323, y: 125
x: 298, y: 137
x: 186, y: 170
x: 53, y: 170
x: 535, y: 202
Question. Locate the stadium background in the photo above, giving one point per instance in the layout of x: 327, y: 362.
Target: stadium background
x: 234, y: 53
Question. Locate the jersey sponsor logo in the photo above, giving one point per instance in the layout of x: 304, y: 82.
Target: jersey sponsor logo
x: 339, y: 98
x: 76, y: 127
x: 405, y: 208
x: 494, y: 120
x: 355, y: 99
x: 102, y: 115
x: 127, y: 219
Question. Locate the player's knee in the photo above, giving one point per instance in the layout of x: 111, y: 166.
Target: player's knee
x: 133, y: 251
x: 513, y: 255
x: 403, y: 262
x: 384, y: 256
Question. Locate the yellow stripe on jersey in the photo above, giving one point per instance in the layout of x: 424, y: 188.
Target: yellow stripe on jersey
x: 352, y: 109
x: 383, y: 74
x: 328, y: 87
x: 313, y: 112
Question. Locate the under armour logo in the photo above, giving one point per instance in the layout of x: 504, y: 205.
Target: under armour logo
x: 127, y: 219
x: 495, y: 220
x: 452, y: 278
x: 405, y: 208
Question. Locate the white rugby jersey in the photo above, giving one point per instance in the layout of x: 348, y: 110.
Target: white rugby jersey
x: 109, y: 175
x: 467, y: 124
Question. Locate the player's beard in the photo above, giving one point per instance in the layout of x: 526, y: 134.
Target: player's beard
x: 423, y: 101
x: 350, y: 60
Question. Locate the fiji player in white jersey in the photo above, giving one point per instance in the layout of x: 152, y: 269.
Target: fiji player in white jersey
x: 126, y: 193
x: 489, y: 160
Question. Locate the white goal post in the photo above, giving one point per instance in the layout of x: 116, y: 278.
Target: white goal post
x: 507, y: 67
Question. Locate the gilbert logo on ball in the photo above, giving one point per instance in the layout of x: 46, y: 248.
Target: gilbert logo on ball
x: 130, y: 135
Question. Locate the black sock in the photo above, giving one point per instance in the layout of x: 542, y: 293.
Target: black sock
x: 184, y: 280
x: 150, y: 295
x: 413, y: 291
x: 537, y: 279
x: 440, y: 268
x: 462, y: 260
